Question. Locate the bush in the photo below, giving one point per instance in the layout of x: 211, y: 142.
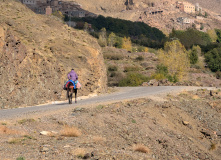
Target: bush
x: 161, y: 69
x: 131, y: 68
x: 173, y: 78
x: 193, y: 56
x: 158, y: 76
x: 162, y: 73
x: 133, y: 79
x: 113, y: 74
x: 112, y: 68
x: 20, y: 158
x: 113, y: 56
x: 140, y: 58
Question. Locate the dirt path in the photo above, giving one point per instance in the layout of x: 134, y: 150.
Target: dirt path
x: 124, y: 93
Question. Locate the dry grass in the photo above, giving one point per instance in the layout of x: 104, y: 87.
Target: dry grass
x: 98, y: 139
x: 195, y: 97
x: 79, y: 152
x: 22, y: 121
x: 14, y: 140
x: 213, y: 147
x: 141, y: 148
x: 8, y: 131
x: 70, y: 132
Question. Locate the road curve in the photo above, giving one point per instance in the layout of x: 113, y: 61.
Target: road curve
x: 123, y: 94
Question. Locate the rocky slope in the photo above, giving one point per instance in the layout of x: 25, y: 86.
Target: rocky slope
x: 165, y: 19
x: 37, y: 52
x: 213, y: 5
x: 182, y: 126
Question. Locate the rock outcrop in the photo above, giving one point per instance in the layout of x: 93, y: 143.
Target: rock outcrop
x: 37, y: 52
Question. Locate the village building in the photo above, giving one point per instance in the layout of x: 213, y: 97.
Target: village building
x: 185, y: 7
x: 49, y: 6
x: 185, y: 20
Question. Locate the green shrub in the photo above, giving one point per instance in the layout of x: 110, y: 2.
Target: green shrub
x: 20, y: 158
x: 140, y: 58
x: 193, y: 56
x: 141, y: 49
x: 113, y: 74
x: 133, y: 79
x: 162, y: 73
x: 113, y: 56
x: 158, y: 76
x: 131, y: 68
x: 161, y: 69
x: 173, y: 79
x: 112, y: 68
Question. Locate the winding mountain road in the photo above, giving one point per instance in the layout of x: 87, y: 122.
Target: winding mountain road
x: 123, y: 93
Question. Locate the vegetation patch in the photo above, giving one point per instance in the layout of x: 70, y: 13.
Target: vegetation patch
x: 141, y: 148
x: 69, y: 131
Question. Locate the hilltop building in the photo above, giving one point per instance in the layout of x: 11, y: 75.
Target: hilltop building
x: 49, y: 6
x: 185, y: 7
x: 185, y: 20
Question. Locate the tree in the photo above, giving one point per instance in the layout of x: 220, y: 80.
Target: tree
x: 175, y: 58
x: 66, y: 18
x: 218, y: 33
x: 127, y: 44
x: 206, y: 15
x: 193, y: 55
x: 213, y: 59
x: 86, y: 26
x: 102, y: 38
x: 111, y: 39
x: 201, y: 26
x: 212, y: 34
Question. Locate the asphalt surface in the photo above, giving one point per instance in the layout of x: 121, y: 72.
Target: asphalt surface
x: 124, y: 93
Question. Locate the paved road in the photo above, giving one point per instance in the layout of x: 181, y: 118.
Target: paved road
x: 122, y: 94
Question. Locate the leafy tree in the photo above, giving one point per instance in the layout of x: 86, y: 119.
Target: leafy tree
x: 66, y: 18
x: 193, y: 55
x: 58, y: 14
x: 111, y: 39
x: 86, y: 26
x: 102, y: 38
x: 152, y: 37
x: 119, y: 42
x: 213, y: 59
x: 218, y: 33
x: 212, y: 34
x: 175, y: 58
x: 191, y: 37
x: 201, y: 26
x: 127, y: 44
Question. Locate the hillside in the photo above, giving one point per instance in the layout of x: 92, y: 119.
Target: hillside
x: 160, y: 14
x: 212, y: 5
x: 37, y: 52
